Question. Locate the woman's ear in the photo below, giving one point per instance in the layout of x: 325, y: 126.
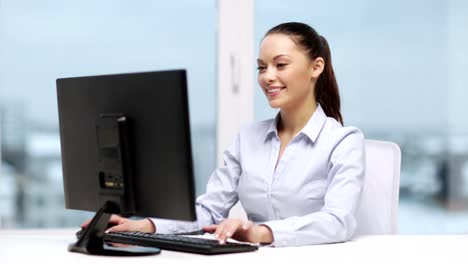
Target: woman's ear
x: 318, y: 65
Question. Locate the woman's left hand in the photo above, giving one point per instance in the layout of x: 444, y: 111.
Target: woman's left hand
x: 240, y: 230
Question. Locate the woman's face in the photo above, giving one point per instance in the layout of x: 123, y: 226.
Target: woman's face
x: 285, y: 72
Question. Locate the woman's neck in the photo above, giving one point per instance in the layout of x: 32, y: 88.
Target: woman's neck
x: 295, y: 119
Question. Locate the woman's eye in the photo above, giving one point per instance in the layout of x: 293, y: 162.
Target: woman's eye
x: 260, y: 68
x: 281, y: 65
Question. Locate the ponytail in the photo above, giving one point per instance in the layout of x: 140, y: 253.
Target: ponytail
x: 326, y: 89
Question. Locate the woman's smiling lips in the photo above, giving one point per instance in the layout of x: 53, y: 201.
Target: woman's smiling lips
x: 274, y: 90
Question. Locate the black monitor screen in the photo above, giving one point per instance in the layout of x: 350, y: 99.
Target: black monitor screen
x: 154, y: 106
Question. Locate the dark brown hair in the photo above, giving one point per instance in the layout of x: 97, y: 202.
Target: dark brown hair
x: 326, y: 90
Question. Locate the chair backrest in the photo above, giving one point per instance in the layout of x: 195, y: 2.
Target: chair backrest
x: 378, y: 211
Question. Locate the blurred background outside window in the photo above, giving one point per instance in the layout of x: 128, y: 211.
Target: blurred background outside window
x: 400, y: 65
x: 46, y: 40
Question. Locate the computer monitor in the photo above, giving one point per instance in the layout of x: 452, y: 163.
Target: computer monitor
x: 125, y: 143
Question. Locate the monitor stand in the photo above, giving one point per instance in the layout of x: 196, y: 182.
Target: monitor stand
x: 92, y: 243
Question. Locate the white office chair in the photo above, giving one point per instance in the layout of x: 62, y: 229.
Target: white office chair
x: 378, y: 211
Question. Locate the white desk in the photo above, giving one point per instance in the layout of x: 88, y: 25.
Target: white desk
x: 50, y: 246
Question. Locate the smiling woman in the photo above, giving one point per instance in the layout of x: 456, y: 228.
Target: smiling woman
x: 381, y: 51
x: 298, y: 176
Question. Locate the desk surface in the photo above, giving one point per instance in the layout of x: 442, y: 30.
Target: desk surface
x: 39, y: 246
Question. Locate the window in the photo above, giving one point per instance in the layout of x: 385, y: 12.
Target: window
x: 43, y: 41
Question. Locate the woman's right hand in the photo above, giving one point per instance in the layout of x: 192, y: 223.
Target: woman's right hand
x: 121, y: 224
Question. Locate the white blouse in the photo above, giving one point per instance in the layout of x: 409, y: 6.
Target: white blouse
x: 309, y: 197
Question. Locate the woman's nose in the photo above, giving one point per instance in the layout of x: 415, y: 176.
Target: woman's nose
x: 269, y: 76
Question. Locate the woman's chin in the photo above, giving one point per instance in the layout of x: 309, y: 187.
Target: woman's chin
x: 274, y: 104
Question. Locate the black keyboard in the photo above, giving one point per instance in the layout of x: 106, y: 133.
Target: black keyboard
x: 177, y: 243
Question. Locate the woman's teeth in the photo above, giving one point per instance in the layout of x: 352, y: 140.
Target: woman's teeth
x: 275, y: 90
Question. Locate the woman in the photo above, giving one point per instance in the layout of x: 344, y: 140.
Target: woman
x: 299, y: 176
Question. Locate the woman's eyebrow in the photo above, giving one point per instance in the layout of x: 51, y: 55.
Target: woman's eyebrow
x: 274, y: 58
x: 280, y: 55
